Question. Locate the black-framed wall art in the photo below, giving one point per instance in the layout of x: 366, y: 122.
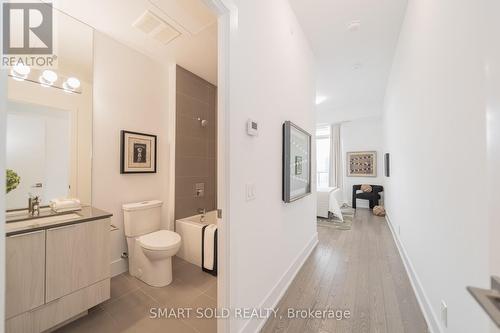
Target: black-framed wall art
x: 137, y: 152
x: 296, y: 162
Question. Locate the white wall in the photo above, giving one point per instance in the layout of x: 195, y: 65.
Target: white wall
x: 492, y: 58
x: 271, y: 81
x: 130, y: 93
x: 362, y: 135
x: 435, y: 129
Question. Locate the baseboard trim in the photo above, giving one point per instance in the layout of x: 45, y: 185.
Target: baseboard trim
x: 118, y: 267
x: 278, y: 291
x: 423, y: 300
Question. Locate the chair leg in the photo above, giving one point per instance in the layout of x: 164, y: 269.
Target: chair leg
x: 354, y: 203
x: 372, y: 204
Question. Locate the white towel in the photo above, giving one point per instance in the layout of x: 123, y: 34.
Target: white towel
x: 208, y: 246
x: 65, y: 204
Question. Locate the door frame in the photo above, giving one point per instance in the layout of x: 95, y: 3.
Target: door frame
x: 227, y: 20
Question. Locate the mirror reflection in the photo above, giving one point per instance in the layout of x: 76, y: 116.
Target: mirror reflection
x: 49, y: 122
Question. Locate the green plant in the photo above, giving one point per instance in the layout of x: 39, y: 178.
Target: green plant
x: 13, y: 180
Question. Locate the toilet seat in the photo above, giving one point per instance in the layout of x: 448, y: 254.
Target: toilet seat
x: 160, y: 240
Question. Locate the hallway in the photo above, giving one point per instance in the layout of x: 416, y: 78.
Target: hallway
x: 359, y: 270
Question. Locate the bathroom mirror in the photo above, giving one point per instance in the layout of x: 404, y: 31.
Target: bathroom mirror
x: 49, y: 121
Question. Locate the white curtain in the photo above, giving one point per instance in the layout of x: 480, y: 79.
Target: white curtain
x: 336, y: 171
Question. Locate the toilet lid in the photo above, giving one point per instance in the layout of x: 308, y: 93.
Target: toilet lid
x: 160, y: 240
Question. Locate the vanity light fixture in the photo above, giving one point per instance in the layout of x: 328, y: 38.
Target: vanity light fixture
x: 48, y: 78
x: 71, y: 84
x: 20, y: 72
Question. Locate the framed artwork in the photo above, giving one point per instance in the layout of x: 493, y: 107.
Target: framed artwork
x: 362, y: 164
x: 138, y: 152
x: 296, y: 162
x: 387, y: 164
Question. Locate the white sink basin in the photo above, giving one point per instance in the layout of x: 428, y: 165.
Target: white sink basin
x: 40, y: 222
x: 23, y: 212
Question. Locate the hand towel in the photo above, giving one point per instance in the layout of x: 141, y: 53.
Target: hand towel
x: 65, y: 204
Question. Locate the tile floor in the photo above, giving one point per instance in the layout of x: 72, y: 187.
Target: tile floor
x: 128, y: 309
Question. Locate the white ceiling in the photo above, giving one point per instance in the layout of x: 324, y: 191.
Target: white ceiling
x: 195, y: 49
x: 352, y: 64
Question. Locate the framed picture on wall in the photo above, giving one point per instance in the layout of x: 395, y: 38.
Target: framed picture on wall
x: 362, y: 164
x: 296, y: 162
x: 137, y: 152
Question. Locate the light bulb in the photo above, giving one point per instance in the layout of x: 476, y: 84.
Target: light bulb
x: 48, y: 78
x: 72, y: 83
x: 20, y: 71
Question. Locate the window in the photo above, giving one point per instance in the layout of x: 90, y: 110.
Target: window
x: 323, y: 159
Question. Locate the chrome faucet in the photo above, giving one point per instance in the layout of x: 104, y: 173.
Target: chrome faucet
x: 34, y: 205
x: 203, y: 212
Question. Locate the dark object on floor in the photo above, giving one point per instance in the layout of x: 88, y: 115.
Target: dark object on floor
x: 372, y: 196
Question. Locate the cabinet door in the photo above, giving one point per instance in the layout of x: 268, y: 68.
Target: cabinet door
x: 77, y: 256
x: 25, y: 279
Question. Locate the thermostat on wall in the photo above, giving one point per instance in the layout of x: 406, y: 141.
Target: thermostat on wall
x: 252, y: 128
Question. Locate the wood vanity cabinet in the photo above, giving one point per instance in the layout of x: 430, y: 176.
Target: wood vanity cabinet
x: 25, y: 283
x: 77, y: 256
x: 56, y: 274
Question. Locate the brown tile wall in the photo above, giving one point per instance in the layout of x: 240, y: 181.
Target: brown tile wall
x: 195, y: 146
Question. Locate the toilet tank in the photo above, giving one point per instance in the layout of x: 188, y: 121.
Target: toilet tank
x: 141, y: 217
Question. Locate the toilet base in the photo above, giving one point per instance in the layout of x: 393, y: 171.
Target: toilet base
x: 156, y: 272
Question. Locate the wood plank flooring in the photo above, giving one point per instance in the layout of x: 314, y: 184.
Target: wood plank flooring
x: 358, y: 270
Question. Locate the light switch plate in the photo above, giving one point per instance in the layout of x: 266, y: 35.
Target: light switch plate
x: 252, y: 128
x: 444, y: 313
x: 250, y: 191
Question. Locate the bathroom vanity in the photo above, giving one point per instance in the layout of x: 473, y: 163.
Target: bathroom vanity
x: 57, y: 267
x: 58, y: 264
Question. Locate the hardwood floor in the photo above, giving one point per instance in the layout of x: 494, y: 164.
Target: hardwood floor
x: 357, y: 270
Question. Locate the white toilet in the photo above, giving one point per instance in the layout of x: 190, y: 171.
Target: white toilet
x: 150, y: 249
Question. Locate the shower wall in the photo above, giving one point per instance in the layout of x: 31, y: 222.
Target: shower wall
x: 195, y: 144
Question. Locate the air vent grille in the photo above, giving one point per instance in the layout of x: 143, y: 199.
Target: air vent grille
x: 154, y: 26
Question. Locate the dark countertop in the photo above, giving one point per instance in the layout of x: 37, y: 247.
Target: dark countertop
x: 19, y: 223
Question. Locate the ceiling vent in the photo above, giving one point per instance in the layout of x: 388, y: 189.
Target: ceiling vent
x: 192, y: 15
x: 155, y: 27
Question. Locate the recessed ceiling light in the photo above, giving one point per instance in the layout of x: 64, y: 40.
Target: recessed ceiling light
x: 354, y: 25
x: 48, y: 78
x: 20, y: 72
x: 72, y: 83
x: 320, y: 99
